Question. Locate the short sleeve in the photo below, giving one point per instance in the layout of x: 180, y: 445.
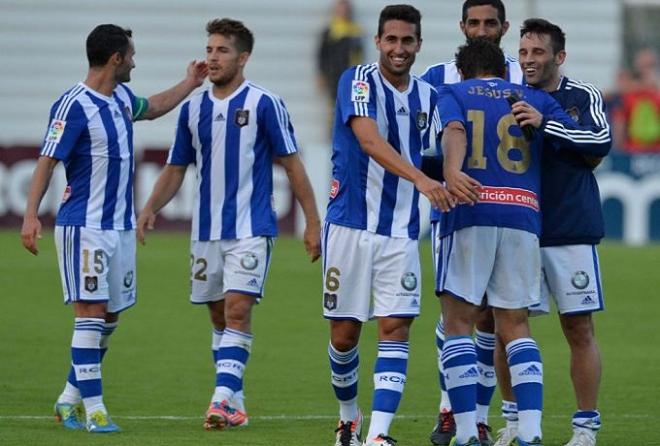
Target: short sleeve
x: 448, y: 107
x: 182, y: 151
x: 65, y: 128
x: 275, y: 122
x: 139, y: 105
x: 356, y: 94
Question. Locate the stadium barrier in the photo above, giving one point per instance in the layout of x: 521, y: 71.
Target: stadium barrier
x: 629, y: 185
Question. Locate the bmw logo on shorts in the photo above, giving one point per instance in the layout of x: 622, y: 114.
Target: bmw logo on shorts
x: 580, y: 280
x: 409, y: 281
x: 249, y: 261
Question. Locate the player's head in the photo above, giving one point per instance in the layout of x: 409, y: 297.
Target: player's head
x: 399, y: 38
x: 541, y: 52
x: 484, y: 19
x: 480, y: 58
x: 111, y: 45
x: 228, y: 49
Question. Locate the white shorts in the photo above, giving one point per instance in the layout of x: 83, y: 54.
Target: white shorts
x: 97, y: 265
x: 358, y: 264
x: 221, y: 266
x: 501, y: 263
x: 571, y: 275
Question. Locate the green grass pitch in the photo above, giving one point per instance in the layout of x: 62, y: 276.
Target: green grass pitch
x: 158, y: 374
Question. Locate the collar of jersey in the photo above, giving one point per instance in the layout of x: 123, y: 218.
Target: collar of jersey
x: 231, y: 96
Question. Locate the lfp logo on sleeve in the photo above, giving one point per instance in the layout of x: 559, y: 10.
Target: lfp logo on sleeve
x: 55, y: 130
x: 360, y: 91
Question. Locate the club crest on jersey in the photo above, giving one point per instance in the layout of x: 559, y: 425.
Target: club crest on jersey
x: 91, y: 283
x: 422, y: 120
x: 574, y: 113
x: 580, y: 280
x: 242, y: 117
x: 128, y: 279
x: 360, y: 91
x: 330, y: 301
x: 55, y: 130
x: 334, y: 188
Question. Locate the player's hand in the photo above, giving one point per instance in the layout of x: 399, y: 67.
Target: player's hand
x: 197, y: 72
x: 312, y: 240
x: 525, y: 114
x: 30, y: 233
x: 146, y: 220
x: 437, y: 194
x: 462, y: 186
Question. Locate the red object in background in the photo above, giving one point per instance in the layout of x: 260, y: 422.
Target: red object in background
x: 640, y: 111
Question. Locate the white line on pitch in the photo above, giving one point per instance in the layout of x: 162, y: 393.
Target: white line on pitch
x: 278, y: 417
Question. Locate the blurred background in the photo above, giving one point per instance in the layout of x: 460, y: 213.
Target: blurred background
x: 613, y: 44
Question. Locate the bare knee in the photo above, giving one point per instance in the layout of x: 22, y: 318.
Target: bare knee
x: 394, y: 329
x: 578, y: 330
x: 238, y: 311
x: 217, y: 314
x: 345, y: 335
x: 511, y: 324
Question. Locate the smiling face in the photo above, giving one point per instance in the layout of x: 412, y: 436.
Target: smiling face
x: 126, y: 64
x: 538, y: 61
x: 398, y: 46
x: 483, y: 22
x: 224, y: 60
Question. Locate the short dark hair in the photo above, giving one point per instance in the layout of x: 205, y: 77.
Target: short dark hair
x: 497, y: 4
x: 542, y: 26
x: 106, y: 40
x: 229, y: 27
x: 405, y: 13
x: 480, y: 56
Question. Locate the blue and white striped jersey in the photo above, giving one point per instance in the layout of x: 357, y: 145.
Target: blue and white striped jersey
x: 232, y: 142
x: 363, y: 194
x: 92, y: 135
x: 446, y: 73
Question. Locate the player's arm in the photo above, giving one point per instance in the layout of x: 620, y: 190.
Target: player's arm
x: 556, y: 125
x: 170, y: 179
x: 302, y: 190
x: 592, y: 112
x: 454, y: 149
x: 374, y: 145
x: 161, y: 103
x: 31, y: 230
x: 168, y: 183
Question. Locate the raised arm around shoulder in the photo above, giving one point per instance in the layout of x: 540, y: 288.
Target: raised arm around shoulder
x: 168, y: 183
x: 302, y: 190
x: 163, y: 102
x: 31, y: 230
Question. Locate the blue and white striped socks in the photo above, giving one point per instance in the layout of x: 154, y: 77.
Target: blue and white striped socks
x: 459, y: 360
x: 389, y: 380
x: 71, y: 393
x: 233, y: 353
x: 587, y: 419
x: 487, y: 381
x: 527, y: 381
x: 86, y: 361
x: 445, y: 404
x: 344, y: 368
x: 238, y: 400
